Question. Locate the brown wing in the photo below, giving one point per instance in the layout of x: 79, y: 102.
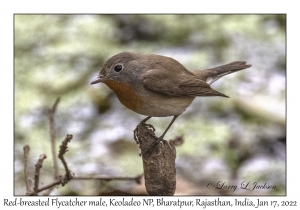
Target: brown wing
x: 184, y: 84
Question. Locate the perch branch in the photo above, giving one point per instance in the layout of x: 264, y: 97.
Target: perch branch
x: 158, y: 161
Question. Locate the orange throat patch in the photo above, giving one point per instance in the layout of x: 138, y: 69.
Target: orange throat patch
x: 126, y: 95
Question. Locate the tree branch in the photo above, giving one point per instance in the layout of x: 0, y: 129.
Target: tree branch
x: 158, y: 161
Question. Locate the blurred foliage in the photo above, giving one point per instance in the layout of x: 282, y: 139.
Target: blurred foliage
x: 232, y: 140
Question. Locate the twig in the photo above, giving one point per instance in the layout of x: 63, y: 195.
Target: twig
x: 62, y: 179
x: 104, y: 178
x: 26, y: 150
x: 68, y: 176
x: 137, y: 178
x: 38, y: 167
x: 52, y: 138
x: 63, y: 148
x: 49, y: 186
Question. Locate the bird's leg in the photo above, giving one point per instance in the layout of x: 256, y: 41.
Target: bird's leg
x: 162, y: 136
x: 144, y: 120
x: 170, y: 124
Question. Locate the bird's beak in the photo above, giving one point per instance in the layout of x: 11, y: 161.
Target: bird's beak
x: 99, y: 79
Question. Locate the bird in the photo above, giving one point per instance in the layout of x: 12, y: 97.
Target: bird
x: 159, y: 86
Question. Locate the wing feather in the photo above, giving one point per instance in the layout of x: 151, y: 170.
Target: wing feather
x: 177, y: 85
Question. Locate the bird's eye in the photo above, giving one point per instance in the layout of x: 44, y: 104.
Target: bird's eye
x: 118, y: 68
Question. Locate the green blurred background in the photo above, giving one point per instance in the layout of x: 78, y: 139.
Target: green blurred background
x: 229, y: 141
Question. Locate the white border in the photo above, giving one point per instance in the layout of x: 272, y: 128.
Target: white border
x: 154, y: 6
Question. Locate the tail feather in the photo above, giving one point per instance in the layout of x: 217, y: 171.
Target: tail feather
x: 213, y: 74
